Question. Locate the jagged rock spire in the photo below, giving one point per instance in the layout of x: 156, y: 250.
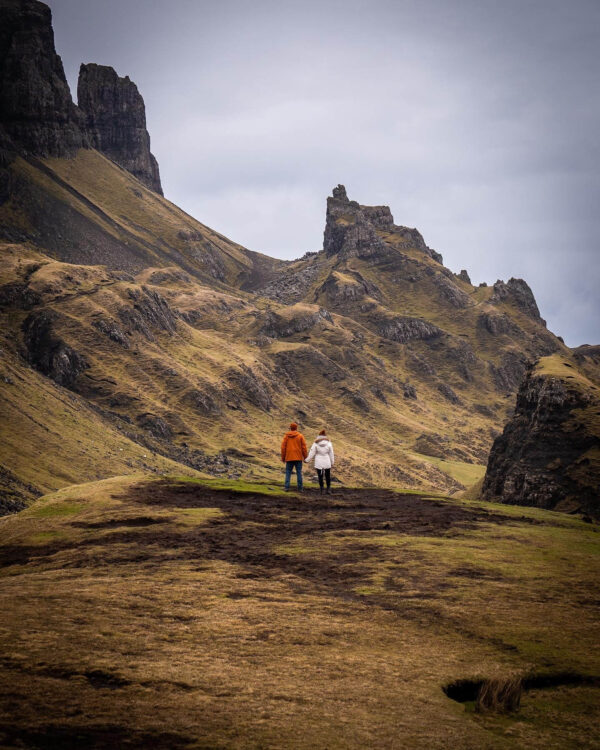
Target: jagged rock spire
x: 352, y: 229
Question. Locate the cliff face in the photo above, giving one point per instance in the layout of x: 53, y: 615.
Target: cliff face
x: 38, y: 114
x: 116, y: 121
x: 549, y: 453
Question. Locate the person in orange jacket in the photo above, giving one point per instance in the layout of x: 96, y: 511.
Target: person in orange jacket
x: 293, y: 453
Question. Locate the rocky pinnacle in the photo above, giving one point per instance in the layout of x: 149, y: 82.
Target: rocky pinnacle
x: 116, y: 121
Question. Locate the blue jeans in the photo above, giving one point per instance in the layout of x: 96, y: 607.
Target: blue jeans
x: 289, y: 466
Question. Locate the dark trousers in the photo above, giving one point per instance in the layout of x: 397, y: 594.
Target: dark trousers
x: 289, y: 467
x: 327, y: 473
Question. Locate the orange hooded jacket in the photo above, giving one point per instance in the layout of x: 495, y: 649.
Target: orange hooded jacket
x: 293, y: 446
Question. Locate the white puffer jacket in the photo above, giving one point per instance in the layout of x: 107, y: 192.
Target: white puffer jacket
x: 322, y: 451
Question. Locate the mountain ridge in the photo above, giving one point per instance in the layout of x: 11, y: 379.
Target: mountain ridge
x: 180, y: 340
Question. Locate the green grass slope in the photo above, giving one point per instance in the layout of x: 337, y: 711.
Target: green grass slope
x: 87, y: 209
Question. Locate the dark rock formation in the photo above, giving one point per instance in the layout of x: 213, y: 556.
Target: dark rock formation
x: 409, y: 391
x: 451, y: 292
x: 293, y: 364
x: 338, y: 291
x: 355, y: 398
x: 18, y: 294
x: 508, y: 374
x: 277, y: 326
x: 148, y: 312
x: 36, y: 109
x: 587, y: 354
x: 111, y: 329
x: 251, y: 387
x: 116, y: 121
x: 549, y: 453
x: 351, y: 229
x: 205, y: 401
x: 403, y: 329
x: 448, y: 393
x: 290, y: 286
x: 519, y: 294
x: 203, y: 252
x: 47, y: 352
x: 14, y: 493
x: 348, y: 231
x: 497, y: 324
x: 464, y: 276
x: 156, y: 426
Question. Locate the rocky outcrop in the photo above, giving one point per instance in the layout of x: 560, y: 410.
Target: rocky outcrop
x: 36, y: 109
x: 278, y: 326
x: 37, y: 113
x: 290, y: 286
x: 348, y: 231
x: 149, y: 311
x: 508, y: 374
x: 448, y: 393
x: 202, y: 250
x: 404, y: 330
x: 116, y: 121
x: 250, y: 386
x: 351, y: 229
x: 518, y: 292
x: 497, y: 324
x: 450, y: 292
x: 549, y: 453
x: 47, y: 352
x: 350, y: 286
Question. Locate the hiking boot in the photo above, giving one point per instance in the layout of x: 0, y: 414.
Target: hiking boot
x: 329, y: 492
x: 320, y: 490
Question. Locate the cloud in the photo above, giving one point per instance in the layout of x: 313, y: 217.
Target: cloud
x: 476, y: 121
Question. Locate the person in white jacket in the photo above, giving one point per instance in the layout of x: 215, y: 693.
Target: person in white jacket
x: 322, y: 452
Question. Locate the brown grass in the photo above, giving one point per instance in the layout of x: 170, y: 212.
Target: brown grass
x: 175, y: 614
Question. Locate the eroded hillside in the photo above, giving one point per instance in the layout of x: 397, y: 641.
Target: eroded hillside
x: 410, y: 367
x: 157, y: 340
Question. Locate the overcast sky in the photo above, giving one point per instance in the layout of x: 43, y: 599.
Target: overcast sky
x: 476, y: 121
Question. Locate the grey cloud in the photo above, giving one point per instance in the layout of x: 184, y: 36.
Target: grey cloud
x: 476, y: 121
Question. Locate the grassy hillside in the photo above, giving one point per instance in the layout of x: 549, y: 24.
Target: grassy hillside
x: 87, y: 209
x: 173, y: 613
x: 199, y: 351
